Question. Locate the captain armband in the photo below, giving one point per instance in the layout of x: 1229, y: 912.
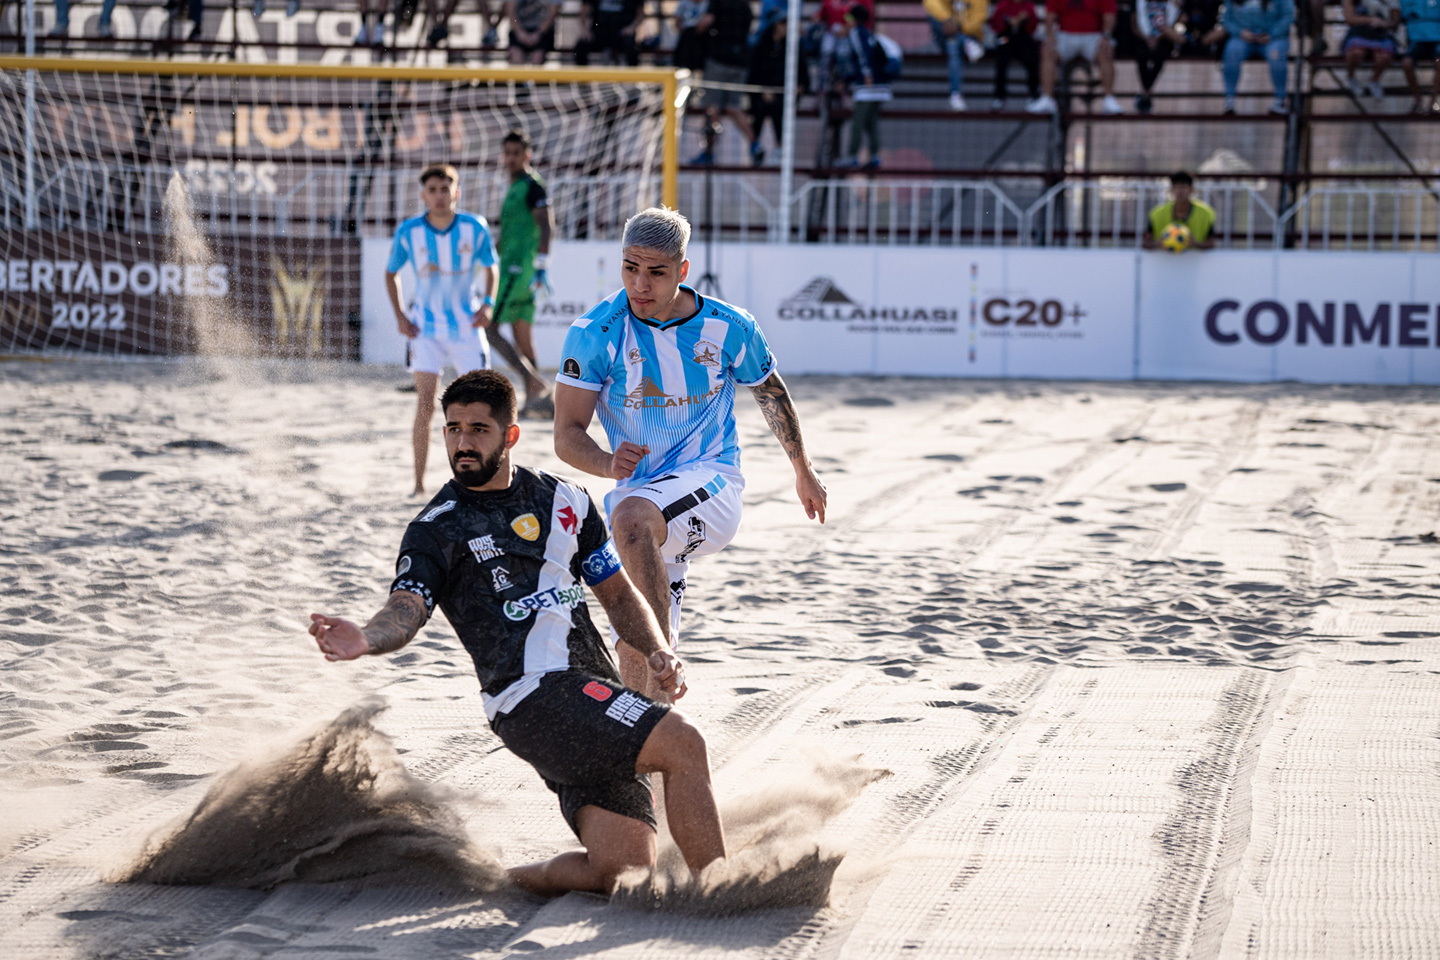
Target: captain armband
x: 601, y: 565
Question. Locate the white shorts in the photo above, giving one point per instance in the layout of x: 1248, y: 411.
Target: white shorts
x: 701, y: 506
x: 428, y: 355
x: 1073, y: 45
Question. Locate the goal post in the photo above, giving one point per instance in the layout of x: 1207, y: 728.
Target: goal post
x: 281, y: 161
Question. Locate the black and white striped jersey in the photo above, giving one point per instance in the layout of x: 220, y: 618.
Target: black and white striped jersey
x: 508, y: 567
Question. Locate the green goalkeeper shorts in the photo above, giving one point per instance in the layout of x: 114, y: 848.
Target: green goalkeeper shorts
x: 514, y: 301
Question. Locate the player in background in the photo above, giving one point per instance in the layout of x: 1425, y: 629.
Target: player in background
x: 507, y: 552
x: 660, y: 364
x: 526, y: 226
x: 446, y: 248
x: 1182, y: 207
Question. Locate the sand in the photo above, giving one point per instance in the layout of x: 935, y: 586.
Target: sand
x: 1153, y: 669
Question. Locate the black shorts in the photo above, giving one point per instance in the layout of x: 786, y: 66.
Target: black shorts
x: 545, y: 43
x: 1424, y: 50
x: 583, y: 734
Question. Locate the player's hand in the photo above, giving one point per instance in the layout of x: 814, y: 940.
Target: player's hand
x: 625, y: 459
x: 408, y: 330
x: 481, y: 317
x: 338, y: 639
x: 541, y: 283
x: 812, y: 493
x: 669, y: 673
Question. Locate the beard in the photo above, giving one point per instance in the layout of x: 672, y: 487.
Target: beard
x: 472, y: 470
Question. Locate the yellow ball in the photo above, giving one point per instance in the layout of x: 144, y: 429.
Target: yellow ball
x: 1175, y: 237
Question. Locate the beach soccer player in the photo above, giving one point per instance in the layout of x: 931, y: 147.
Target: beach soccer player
x: 660, y: 364
x: 446, y: 248
x: 506, y: 552
x: 526, y: 226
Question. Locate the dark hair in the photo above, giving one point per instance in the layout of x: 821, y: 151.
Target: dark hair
x: 517, y: 136
x: 860, y: 14
x: 1182, y: 177
x: 489, y: 387
x: 439, y: 170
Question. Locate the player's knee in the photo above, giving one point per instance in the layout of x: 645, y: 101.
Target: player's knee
x: 634, y: 521
x: 684, y: 745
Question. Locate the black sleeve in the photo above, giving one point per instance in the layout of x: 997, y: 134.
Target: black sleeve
x: 593, y: 532
x: 422, y: 567
x: 537, y: 196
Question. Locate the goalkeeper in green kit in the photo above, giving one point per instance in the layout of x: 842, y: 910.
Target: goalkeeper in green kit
x: 526, y: 225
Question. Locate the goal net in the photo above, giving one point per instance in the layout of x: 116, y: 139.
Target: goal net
x: 277, y: 174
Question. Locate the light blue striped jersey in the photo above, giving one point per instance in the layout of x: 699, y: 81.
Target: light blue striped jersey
x: 669, y: 386
x: 445, y: 263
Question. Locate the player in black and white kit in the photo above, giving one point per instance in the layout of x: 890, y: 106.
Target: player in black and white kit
x: 506, y: 553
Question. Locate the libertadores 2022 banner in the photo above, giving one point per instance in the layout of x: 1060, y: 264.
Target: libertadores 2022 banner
x: 131, y: 294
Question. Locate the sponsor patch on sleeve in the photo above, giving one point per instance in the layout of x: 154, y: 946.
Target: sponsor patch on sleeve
x: 571, y: 367
x: 601, y: 565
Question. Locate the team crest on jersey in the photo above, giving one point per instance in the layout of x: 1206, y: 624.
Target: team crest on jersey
x: 434, y: 512
x: 500, y: 580
x: 635, y: 356
x: 526, y: 526
x: 707, y: 354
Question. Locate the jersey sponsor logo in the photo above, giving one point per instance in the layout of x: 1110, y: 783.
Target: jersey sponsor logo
x: 571, y: 367
x: 601, y: 565
x: 597, y: 691
x: 500, y: 580
x: 566, y: 598
x: 568, y: 520
x: 648, y: 396
x: 627, y: 708
x: 403, y: 567
x: 466, y: 249
x: 707, y: 354
x: 527, y: 526
x: 484, y: 548
x: 434, y: 512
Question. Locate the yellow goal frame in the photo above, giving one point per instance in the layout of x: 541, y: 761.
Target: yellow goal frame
x: 674, y: 83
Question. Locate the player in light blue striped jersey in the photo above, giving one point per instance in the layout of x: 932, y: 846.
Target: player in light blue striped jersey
x: 446, y: 248
x: 660, y: 364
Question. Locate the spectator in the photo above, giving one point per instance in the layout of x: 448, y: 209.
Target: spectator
x: 831, y: 15
x: 767, y: 69
x: 1013, y: 24
x: 197, y: 15
x: 868, y: 90
x: 1422, y: 26
x: 1078, y: 29
x: 1182, y: 208
x: 1154, y: 24
x: 61, y: 30
x: 690, y: 45
x: 440, y: 22
x: 1199, y: 27
x: 1257, y: 28
x: 367, y: 34
x: 726, y: 27
x: 532, y: 29
x: 608, y: 27
x: 771, y: 12
x: 292, y: 7
x: 1372, y: 26
x: 956, y: 26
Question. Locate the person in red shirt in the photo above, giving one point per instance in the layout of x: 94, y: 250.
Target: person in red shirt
x: 1013, y: 23
x: 1076, y: 29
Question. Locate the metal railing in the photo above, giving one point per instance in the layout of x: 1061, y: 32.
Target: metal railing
x: 268, y: 198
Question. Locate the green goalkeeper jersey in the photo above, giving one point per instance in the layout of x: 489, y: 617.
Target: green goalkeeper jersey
x: 519, y: 233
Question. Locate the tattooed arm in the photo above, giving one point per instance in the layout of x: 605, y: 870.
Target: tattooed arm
x: 774, y: 400
x: 394, y: 626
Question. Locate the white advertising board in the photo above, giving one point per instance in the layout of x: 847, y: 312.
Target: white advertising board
x: 1315, y: 317
x: 1050, y: 314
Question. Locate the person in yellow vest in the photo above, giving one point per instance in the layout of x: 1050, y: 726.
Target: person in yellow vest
x: 1198, y: 215
x: 956, y: 25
